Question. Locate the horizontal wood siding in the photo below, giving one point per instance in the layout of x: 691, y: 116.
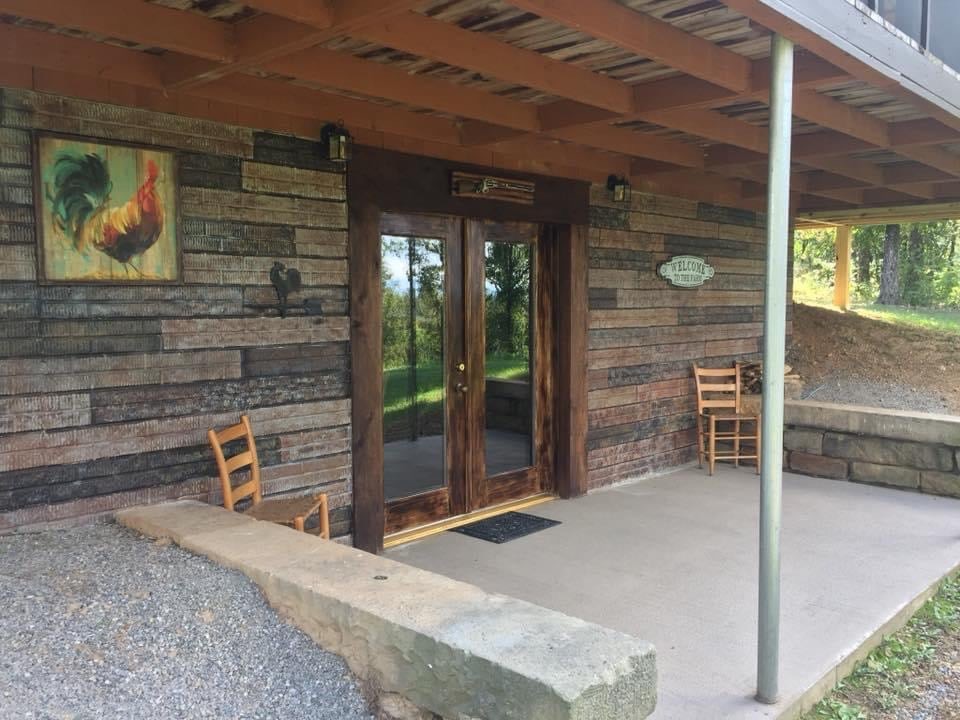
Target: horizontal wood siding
x: 106, y: 392
x: 645, y: 334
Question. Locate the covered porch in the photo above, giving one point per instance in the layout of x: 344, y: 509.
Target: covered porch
x: 672, y: 559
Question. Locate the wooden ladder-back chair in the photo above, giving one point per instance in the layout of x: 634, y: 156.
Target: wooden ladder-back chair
x: 286, y: 511
x: 718, y: 402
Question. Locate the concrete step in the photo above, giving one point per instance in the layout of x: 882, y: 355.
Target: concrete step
x: 446, y: 646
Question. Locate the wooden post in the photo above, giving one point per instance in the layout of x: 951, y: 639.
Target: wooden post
x: 841, y: 284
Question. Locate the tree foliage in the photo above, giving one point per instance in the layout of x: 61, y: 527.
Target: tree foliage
x: 928, y: 262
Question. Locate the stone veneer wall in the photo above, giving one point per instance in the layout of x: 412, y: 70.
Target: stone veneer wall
x: 918, y: 451
x: 106, y: 392
x: 645, y: 334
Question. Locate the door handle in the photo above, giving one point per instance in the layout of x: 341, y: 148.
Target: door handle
x: 460, y: 387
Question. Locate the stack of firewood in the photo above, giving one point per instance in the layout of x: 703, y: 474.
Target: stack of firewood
x: 751, y: 380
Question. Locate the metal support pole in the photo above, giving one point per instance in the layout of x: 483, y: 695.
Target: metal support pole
x: 774, y: 356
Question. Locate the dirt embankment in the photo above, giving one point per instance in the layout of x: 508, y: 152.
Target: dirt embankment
x: 847, y: 358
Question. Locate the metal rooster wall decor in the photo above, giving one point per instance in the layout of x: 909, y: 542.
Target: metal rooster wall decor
x: 286, y: 281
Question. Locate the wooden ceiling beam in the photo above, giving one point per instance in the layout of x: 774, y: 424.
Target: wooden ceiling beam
x: 107, y: 91
x: 711, y: 125
x: 268, y: 37
x: 347, y: 72
x: 482, y: 53
x: 104, y: 63
x: 134, y: 21
x: 926, y: 131
x: 648, y: 37
x: 689, y: 92
x: 752, y: 140
x: 636, y: 144
x: 56, y: 52
x: 318, y: 13
x: 835, y: 115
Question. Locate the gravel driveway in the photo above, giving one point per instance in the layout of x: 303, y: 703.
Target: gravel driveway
x: 98, y: 622
x: 848, y: 390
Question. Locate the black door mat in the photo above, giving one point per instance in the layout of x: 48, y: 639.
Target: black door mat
x: 504, y: 528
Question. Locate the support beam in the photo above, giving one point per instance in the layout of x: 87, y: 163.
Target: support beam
x: 484, y: 54
x: 774, y: 355
x: 134, y: 21
x: 295, y: 25
x: 841, y: 282
x: 648, y: 37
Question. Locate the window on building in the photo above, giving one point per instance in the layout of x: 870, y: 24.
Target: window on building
x: 906, y: 15
x: 944, y: 31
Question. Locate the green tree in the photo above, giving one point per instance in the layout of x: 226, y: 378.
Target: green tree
x: 508, y: 269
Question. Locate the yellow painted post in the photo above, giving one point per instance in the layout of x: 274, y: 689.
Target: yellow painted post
x: 841, y: 284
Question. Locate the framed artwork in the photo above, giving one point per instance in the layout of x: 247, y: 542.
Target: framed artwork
x: 106, y: 212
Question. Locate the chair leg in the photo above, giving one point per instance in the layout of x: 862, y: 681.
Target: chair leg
x: 712, y: 447
x: 298, y: 523
x: 759, y: 444
x: 700, y: 441
x: 324, y: 512
x: 736, y: 443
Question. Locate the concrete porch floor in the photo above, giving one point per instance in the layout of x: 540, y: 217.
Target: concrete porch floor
x: 673, y: 560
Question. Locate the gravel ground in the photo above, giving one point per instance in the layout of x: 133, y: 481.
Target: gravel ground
x: 97, y: 622
x: 873, y: 393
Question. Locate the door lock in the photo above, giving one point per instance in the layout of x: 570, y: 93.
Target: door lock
x: 461, y: 367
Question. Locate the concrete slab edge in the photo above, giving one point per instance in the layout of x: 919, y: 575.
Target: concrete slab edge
x: 820, y: 689
x: 422, y: 643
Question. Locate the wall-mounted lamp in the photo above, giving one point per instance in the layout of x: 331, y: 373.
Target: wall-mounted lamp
x: 619, y: 188
x: 338, y: 142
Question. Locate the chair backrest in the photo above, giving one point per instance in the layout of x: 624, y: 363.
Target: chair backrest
x: 717, y: 388
x: 228, y: 465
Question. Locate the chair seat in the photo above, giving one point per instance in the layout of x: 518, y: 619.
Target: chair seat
x: 284, y: 510
x: 734, y: 417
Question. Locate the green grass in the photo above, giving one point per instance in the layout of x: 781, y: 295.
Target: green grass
x: 887, y: 677
x: 396, y: 400
x: 808, y: 291
x: 928, y: 318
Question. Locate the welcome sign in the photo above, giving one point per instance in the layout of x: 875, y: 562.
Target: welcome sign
x: 686, y: 271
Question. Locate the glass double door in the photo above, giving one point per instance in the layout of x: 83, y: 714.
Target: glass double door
x: 464, y: 372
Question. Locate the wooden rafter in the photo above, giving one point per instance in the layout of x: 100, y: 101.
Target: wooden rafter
x: 209, y: 59
x: 292, y: 28
x: 134, y: 21
x: 484, y: 54
x: 648, y: 37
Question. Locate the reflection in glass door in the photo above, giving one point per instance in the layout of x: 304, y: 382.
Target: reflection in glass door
x: 464, y: 375
x: 508, y: 356
x: 414, y: 397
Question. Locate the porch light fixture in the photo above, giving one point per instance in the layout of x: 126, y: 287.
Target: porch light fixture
x: 619, y: 188
x: 338, y: 142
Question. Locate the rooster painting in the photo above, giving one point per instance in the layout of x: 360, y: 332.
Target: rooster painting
x: 106, y: 213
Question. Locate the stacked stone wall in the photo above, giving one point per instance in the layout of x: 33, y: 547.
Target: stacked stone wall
x: 916, y: 451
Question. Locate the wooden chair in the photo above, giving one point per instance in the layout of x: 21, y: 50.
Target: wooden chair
x: 718, y: 402
x: 286, y: 511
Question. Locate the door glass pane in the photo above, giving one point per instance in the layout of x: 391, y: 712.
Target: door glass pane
x: 508, y: 352
x: 413, y: 392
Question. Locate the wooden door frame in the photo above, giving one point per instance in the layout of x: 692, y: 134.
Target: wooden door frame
x: 380, y: 181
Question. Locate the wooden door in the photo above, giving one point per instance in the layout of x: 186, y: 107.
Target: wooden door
x: 424, y: 387
x: 467, y: 368
x: 509, y: 321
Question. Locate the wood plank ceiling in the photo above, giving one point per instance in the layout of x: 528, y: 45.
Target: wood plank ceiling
x: 671, y: 93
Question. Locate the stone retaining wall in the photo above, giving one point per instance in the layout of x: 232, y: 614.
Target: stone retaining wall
x: 918, y: 451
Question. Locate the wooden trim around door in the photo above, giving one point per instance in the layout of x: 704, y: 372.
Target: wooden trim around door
x: 366, y: 365
x: 380, y: 181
